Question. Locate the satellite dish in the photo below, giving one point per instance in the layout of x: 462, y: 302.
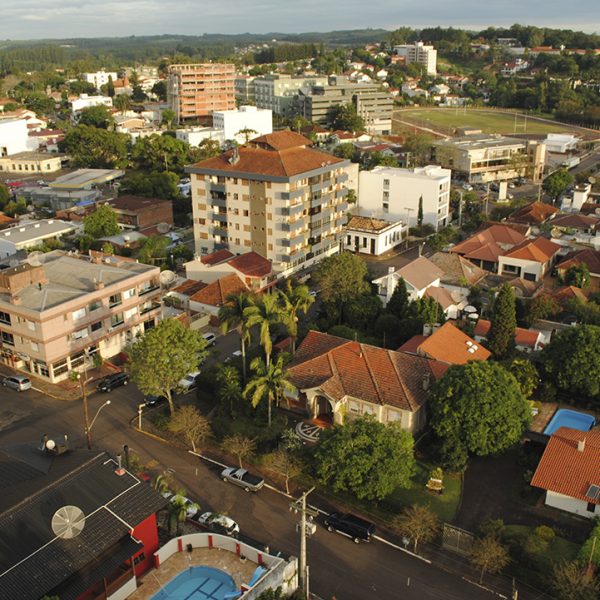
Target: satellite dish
x: 597, y: 211
x: 68, y: 522
x: 167, y: 277
x: 163, y: 227
x: 35, y: 258
x: 470, y: 309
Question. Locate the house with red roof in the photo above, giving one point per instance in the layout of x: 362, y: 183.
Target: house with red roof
x: 339, y: 379
x: 214, y: 295
x: 535, y: 213
x: 526, y: 340
x: 531, y: 260
x: 588, y: 257
x: 569, y: 471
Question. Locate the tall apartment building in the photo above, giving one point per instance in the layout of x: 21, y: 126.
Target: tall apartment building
x: 55, y: 314
x: 279, y: 92
x: 419, y: 53
x: 394, y: 194
x: 481, y: 158
x: 276, y: 196
x: 195, y: 91
x: 100, y: 78
x: 244, y: 89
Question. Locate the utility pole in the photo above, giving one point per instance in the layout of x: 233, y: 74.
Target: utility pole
x: 86, y: 415
x: 460, y: 209
x: 307, y: 528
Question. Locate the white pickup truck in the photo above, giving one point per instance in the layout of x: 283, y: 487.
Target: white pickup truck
x: 241, y: 477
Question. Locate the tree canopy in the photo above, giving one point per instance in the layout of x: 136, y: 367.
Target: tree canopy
x: 96, y: 116
x: 501, y: 338
x: 96, y: 148
x: 101, y: 223
x: 365, y: 457
x: 556, y: 183
x: 479, y: 406
x: 345, y: 117
x: 160, y: 153
x: 341, y: 277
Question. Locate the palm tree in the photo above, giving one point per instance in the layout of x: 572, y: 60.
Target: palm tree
x: 232, y: 315
x: 264, y: 313
x: 122, y: 103
x: 178, y: 508
x: 268, y: 383
x: 230, y: 390
x: 295, y: 298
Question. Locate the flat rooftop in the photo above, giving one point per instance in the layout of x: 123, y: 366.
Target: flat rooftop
x: 481, y: 141
x: 429, y: 172
x: 86, y: 177
x: 35, y: 230
x: 32, y: 156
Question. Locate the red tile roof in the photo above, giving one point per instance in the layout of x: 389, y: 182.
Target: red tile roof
x: 451, y: 345
x: 565, y: 469
x: 251, y: 264
x: 343, y: 368
x: 280, y: 140
x: 189, y: 287
x: 215, y: 294
x: 412, y: 346
x: 576, y: 221
x: 441, y: 295
x: 488, y: 243
x: 523, y: 337
x: 217, y: 257
x: 568, y: 292
x: 587, y: 256
x: 534, y: 213
x: 538, y: 250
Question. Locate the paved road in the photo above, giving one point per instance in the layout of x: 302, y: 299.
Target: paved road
x: 338, y: 566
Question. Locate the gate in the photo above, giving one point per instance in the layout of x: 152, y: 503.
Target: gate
x: 457, y: 539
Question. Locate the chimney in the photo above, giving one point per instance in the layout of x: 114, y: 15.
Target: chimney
x: 426, y: 381
x: 98, y: 285
x: 581, y: 445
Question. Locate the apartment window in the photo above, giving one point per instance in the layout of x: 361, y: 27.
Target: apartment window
x: 78, y: 314
x: 201, y: 221
x: 246, y: 213
x: 236, y: 196
x: 79, y: 335
x: 115, y: 300
x: 94, y: 305
x: 386, y: 182
x: 77, y: 359
x: 34, y: 346
x: 386, y: 208
x: 7, y: 338
x: 129, y: 293
x: 4, y: 317
x: 96, y: 326
x: 386, y: 195
x: 60, y: 367
x: 117, y: 320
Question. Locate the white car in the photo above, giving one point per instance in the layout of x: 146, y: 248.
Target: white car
x: 235, y: 354
x: 468, y: 187
x: 219, y: 523
x: 188, y: 383
x: 211, y: 338
x: 190, y: 510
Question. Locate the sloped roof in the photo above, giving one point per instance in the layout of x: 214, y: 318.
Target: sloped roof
x: 534, y: 213
x: 576, y: 221
x: 251, y: 264
x: 523, y: 337
x: 565, y: 469
x: 280, y: 140
x: 524, y: 287
x: 568, y: 292
x: 537, y: 250
x: 420, y: 273
x: 488, y: 243
x: 457, y: 269
x: 343, y: 368
x: 589, y: 257
x: 451, y: 345
x: 441, y: 295
x: 216, y: 257
x: 215, y: 294
x: 367, y: 223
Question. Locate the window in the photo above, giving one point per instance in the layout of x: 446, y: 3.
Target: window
x: 94, y: 305
x: 78, y: 314
x: 79, y: 335
x: 60, y: 367
x: 7, y: 338
x: 386, y: 182
x: 236, y: 197
x: 115, y: 300
x: 4, y: 317
x: 129, y: 293
x: 116, y: 320
x: 34, y: 346
x: 96, y: 326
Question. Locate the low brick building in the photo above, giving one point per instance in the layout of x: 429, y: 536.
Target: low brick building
x: 137, y: 212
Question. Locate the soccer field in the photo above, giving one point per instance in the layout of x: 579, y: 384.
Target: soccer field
x: 447, y: 119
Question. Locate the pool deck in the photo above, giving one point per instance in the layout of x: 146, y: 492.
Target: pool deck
x: 543, y: 418
x: 226, y: 561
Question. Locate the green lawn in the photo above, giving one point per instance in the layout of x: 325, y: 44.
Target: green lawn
x: 488, y: 122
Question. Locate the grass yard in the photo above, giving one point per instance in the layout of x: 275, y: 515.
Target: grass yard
x: 488, y: 122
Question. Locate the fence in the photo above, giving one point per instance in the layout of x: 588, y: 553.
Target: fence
x: 457, y: 539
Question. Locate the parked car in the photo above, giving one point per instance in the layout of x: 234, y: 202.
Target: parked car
x: 190, y: 510
x: 219, y: 523
x: 468, y: 187
x: 152, y: 400
x: 17, y: 382
x: 351, y: 526
x: 235, y: 354
x: 110, y: 382
x: 189, y: 382
x: 242, y: 478
x: 210, y: 338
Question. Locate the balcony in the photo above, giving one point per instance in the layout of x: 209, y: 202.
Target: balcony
x: 151, y: 288
x: 217, y: 187
x: 294, y: 240
x: 293, y: 211
x: 152, y: 306
x: 293, y: 194
x: 221, y: 217
x: 341, y: 193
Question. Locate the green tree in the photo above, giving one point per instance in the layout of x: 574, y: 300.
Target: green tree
x: 153, y: 249
x: 241, y: 446
x: 192, y: 425
x: 96, y: 116
x: 233, y: 315
x: 589, y: 553
x: 345, y: 117
x: 160, y: 153
x: 285, y: 464
x: 295, y: 299
x: 572, y: 361
x: 168, y: 116
x: 268, y: 384
x: 365, y: 457
x: 399, y: 304
x: 387, y: 329
x: 160, y: 89
x: 501, y: 338
x: 543, y: 306
x: 420, y: 212
x: 489, y: 556
x: 101, y: 223
x: 419, y: 147
x: 430, y: 311
x: 578, y: 275
x: 265, y: 312
x: 163, y: 356
x: 418, y: 522
x: 122, y: 103
x: 525, y: 373
x: 95, y: 148
x: 138, y: 94
x: 572, y: 581
x: 341, y: 277
x: 362, y: 311
x: 479, y: 406
x: 556, y: 183
x: 178, y: 508
x: 110, y: 87
x: 206, y: 149
x: 4, y: 196
x: 229, y: 390
x: 152, y: 185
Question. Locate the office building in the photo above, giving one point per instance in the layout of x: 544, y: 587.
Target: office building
x: 419, y: 53
x: 279, y: 92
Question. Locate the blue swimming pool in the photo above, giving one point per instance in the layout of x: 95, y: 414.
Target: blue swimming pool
x: 564, y: 417
x: 199, y: 583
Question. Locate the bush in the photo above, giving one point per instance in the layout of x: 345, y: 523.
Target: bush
x: 491, y: 527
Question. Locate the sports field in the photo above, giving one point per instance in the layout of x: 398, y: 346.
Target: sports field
x: 445, y: 120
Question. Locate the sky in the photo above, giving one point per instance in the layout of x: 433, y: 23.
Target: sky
x: 34, y: 19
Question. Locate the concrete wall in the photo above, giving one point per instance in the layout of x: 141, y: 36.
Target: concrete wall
x: 572, y: 505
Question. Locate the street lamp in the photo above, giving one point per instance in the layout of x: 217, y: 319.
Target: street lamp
x: 95, y: 417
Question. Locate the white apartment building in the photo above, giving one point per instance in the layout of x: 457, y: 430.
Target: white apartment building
x: 394, y: 194
x: 14, y: 137
x: 276, y: 196
x: 194, y: 136
x: 279, y: 92
x: 100, y: 78
x: 86, y: 101
x: 259, y: 121
x: 419, y: 53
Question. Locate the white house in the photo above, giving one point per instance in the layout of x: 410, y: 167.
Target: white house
x: 14, y: 137
x: 85, y: 101
x: 569, y: 472
x: 100, y: 78
x: 194, y: 136
x: 373, y: 236
x: 395, y: 194
x: 258, y: 120
x: 531, y: 259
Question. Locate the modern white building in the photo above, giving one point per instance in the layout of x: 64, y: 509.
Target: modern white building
x: 258, y: 121
x: 14, y: 137
x: 395, y: 194
x: 86, y: 101
x: 194, y: 136
x: 279, y: 92
x: 100, y: 78
x: 31, y: 234
x: 373, y: 236
x: 419, y: 53
x: 561, y: 143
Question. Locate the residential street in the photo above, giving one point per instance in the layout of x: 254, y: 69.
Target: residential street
x: 338, y: 567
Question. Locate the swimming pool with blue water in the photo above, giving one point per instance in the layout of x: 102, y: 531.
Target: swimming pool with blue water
x: 199, y: 583
x: 564, y: 417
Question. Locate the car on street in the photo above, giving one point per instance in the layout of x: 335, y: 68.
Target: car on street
x: 218, y: 523
x: 242, y: 478
x: 17, y: 382
x: 234, y: 355
x: 188, y: 383
x: 152, y: 400
x: 357, y: 529
x: 110, y: 382
x: 191, y: 509
x: 211, y: 338
x: 467, y: 186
